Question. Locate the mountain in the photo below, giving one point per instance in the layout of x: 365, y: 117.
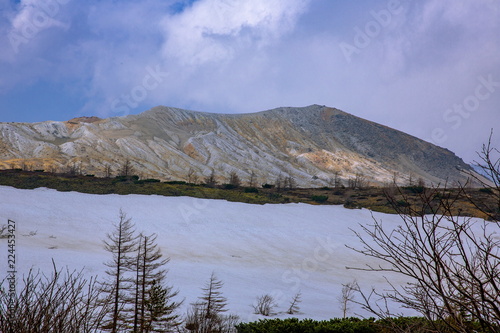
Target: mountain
x: 309, y: 144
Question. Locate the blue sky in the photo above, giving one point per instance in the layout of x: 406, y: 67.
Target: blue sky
x: 430, y: 68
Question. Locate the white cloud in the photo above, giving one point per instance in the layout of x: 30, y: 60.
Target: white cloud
x: 29, y: 27
x: 435, y: 60
x: 33, y: 17
x: 213, y: 30
x: 38, y: 14
x: 458, y: 13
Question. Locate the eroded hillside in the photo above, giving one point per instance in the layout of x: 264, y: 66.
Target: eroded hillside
x: 310, y: 144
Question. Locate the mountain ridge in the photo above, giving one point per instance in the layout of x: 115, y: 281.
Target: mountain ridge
x: 310, y: 144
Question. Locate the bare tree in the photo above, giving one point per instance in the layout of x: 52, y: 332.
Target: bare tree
x: 126, y: 168
x: 122, y: 244
x: 73, y: 169
x: 154, y: 308
x: 211, y: 181
x: 207, y: 315
x: 352, y: 182
x: 289, y: 183
x: 253, y: 179
x: 279, y: 182
x: 294, y: 304
x: 107, y: 171
x: 265, y: 305
x: 420, y: 182
x: 358, y: 181
x: 25, y: 166
x: 192, y: 178
x: 337, y: 182
x: 391, y: 187
x: 234, y: 179
x: 452, y: 263
x: 212, y: 300
x: 59, y: 302
x: 489, y: 164
x: 347, y: 296
x: 395, y: 178
x: 411, y: 179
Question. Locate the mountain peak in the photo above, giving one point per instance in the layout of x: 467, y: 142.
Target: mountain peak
x: 310, y: 144
x: 84, y: 119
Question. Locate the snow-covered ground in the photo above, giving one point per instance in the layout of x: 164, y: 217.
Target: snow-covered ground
x: 255, y: 249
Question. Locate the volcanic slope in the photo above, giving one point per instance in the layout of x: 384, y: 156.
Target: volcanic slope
x: 307, y: 144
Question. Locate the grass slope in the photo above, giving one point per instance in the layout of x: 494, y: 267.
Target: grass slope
x: 373, y: 198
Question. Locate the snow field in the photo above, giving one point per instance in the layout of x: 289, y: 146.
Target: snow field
x: 276, y: 249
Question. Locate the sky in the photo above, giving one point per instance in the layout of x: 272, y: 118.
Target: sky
x: 430, y: 68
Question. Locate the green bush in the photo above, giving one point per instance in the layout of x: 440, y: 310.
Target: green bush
x: 350, y: 325
x: 294, y: 325
x: 486, y: 190
x: 251, y: 190
x: 351, y: 204
x: 403, y: 203
x: 415, y: 189
x: 126, y: 178
x: 267, y: 186
x: 151, y: 180
x: 274, y: 196
x: 319, y: 198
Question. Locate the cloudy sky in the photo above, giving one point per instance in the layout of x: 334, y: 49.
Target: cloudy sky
x: 430, y: 68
